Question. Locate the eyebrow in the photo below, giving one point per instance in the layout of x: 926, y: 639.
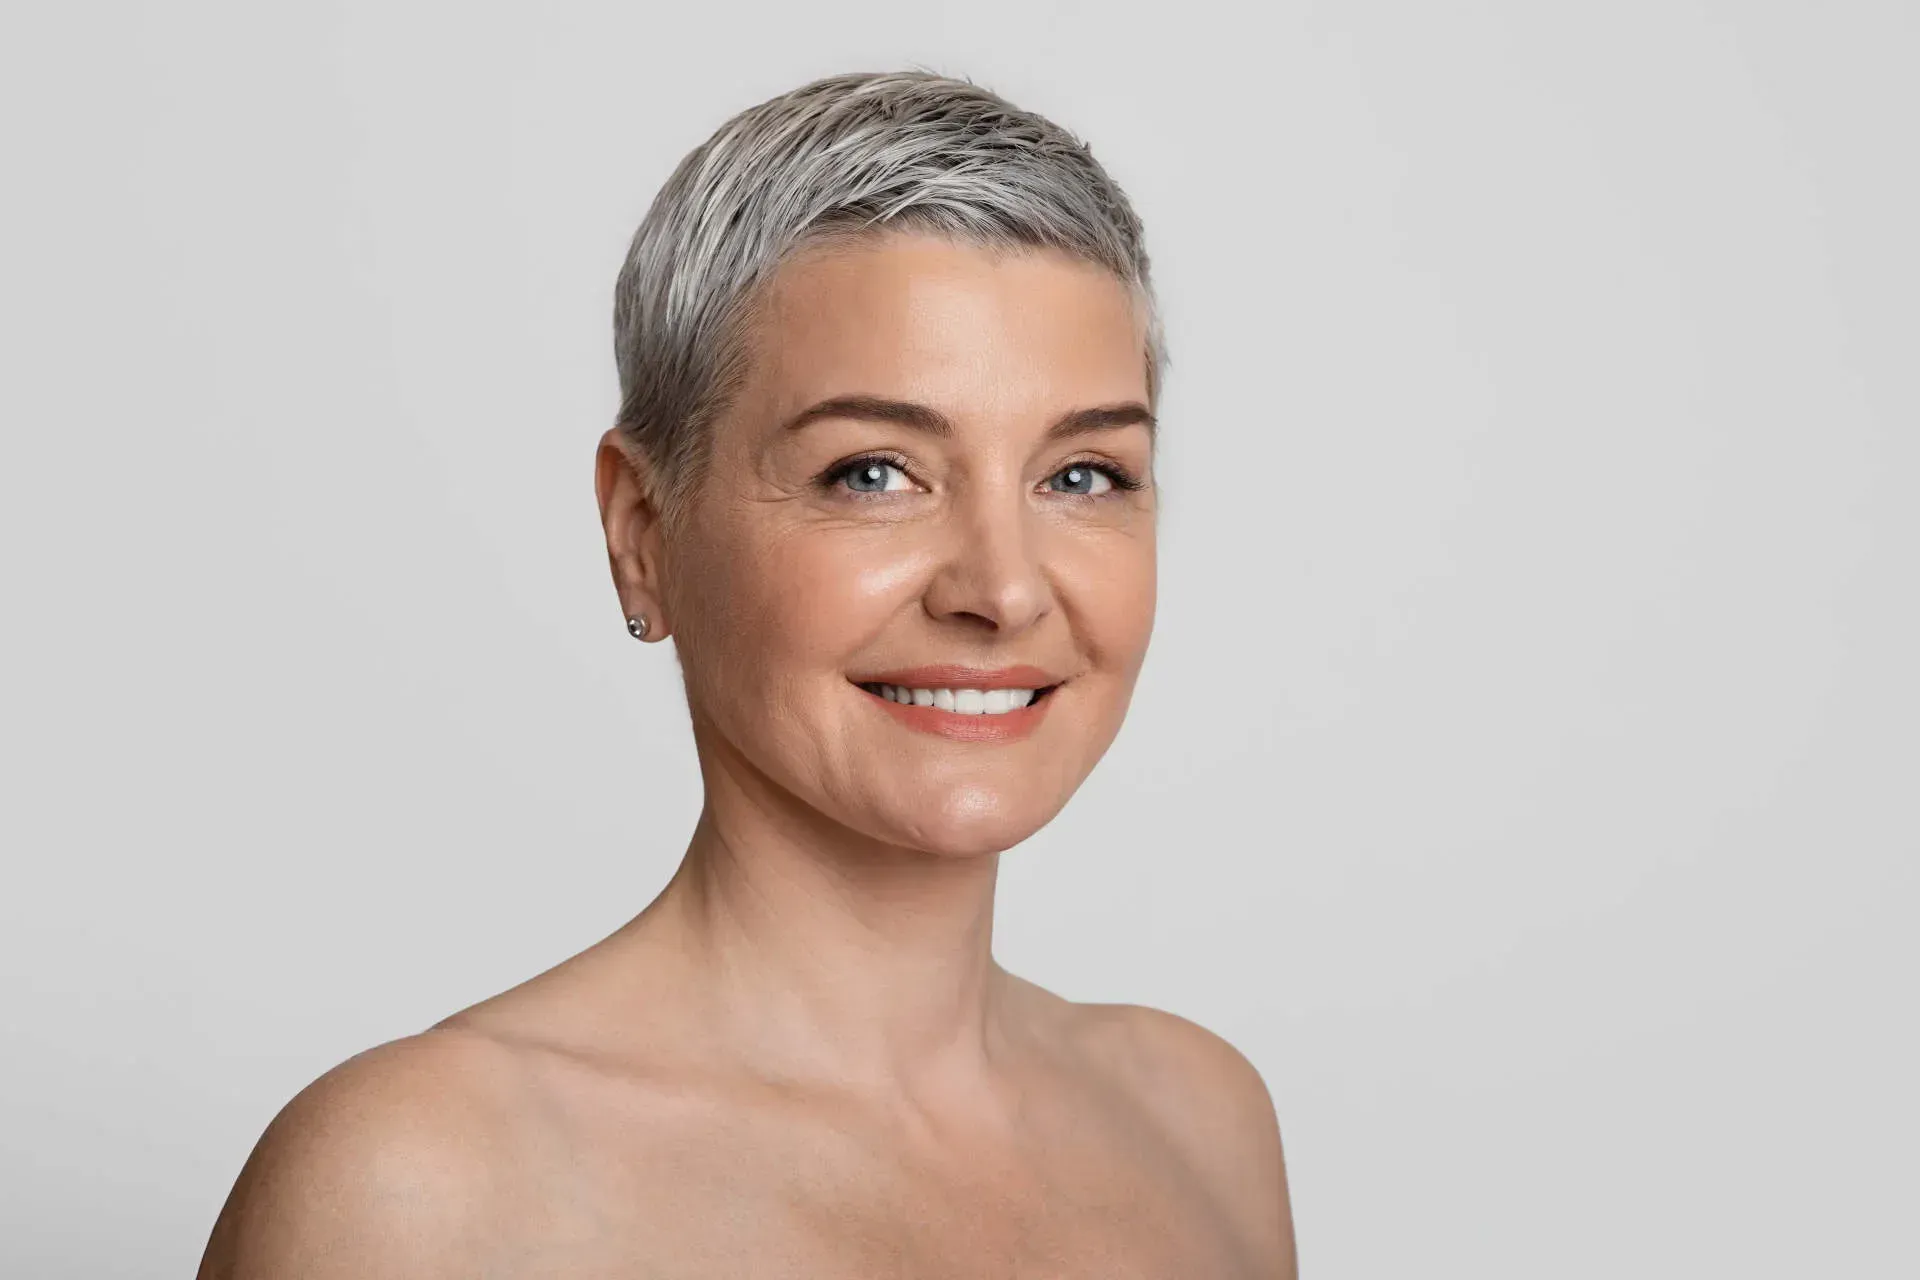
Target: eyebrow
x: 925, y: 418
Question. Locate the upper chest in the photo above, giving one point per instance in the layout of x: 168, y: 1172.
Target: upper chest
x: 700, y: 1191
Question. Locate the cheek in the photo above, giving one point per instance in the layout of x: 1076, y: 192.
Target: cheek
x: 799, y: 603
x: 1113, y: 585
x: 833, y: 591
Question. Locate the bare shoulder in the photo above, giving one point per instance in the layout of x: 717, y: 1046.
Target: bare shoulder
x: 1212, y: 1103
x: 388, y: 1165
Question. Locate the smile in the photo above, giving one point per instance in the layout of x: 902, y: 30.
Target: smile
x: 966, y: 704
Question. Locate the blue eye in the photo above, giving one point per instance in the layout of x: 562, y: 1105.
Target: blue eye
x: 872, y: 475
x: 1082, y: 480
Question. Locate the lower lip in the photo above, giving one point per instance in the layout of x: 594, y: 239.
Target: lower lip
x: 1010, y: 726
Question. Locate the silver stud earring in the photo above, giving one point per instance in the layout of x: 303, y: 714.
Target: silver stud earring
x: 637, y: 626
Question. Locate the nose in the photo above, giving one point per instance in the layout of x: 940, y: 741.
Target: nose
x: 991, y: 574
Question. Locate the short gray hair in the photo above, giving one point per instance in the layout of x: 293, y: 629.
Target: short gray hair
x: 838, y: 156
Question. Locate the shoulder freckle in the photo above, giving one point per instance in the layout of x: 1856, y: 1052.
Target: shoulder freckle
x: 389, y: 1164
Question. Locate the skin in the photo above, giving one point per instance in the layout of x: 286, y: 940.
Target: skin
x: 801, y: 1059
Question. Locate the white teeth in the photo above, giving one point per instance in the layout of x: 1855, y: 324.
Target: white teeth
x: 966, y: 702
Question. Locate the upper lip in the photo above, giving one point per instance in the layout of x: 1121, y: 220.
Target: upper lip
x: 958, y: 677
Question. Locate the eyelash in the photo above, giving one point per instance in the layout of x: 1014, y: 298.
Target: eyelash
x: 1123, y: 481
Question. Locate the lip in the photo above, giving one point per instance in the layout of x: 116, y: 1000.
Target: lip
x: 957, y: 677
x: 1011, y: 726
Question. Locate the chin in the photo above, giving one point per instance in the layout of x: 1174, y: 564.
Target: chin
x: 970, y: 822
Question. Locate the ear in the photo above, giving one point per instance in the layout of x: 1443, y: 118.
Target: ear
x: 635, y: 539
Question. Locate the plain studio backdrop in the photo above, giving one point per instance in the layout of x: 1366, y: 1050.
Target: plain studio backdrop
x: 1524, y: 772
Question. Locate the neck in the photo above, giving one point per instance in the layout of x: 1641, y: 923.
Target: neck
x: 822, y: 953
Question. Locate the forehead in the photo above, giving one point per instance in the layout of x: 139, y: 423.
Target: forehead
x: 968, y: 329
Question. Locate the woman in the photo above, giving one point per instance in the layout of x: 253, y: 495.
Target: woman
x: 884, y: 470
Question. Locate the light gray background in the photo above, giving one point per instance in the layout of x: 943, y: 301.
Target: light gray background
x: 1524, y: 773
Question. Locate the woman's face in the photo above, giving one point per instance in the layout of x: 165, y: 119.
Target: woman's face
x: 937, y: 478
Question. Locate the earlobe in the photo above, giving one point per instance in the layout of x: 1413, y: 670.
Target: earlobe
x: 632, y: 530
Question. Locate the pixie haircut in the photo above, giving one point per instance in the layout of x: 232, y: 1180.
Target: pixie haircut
x: 845, y: 155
